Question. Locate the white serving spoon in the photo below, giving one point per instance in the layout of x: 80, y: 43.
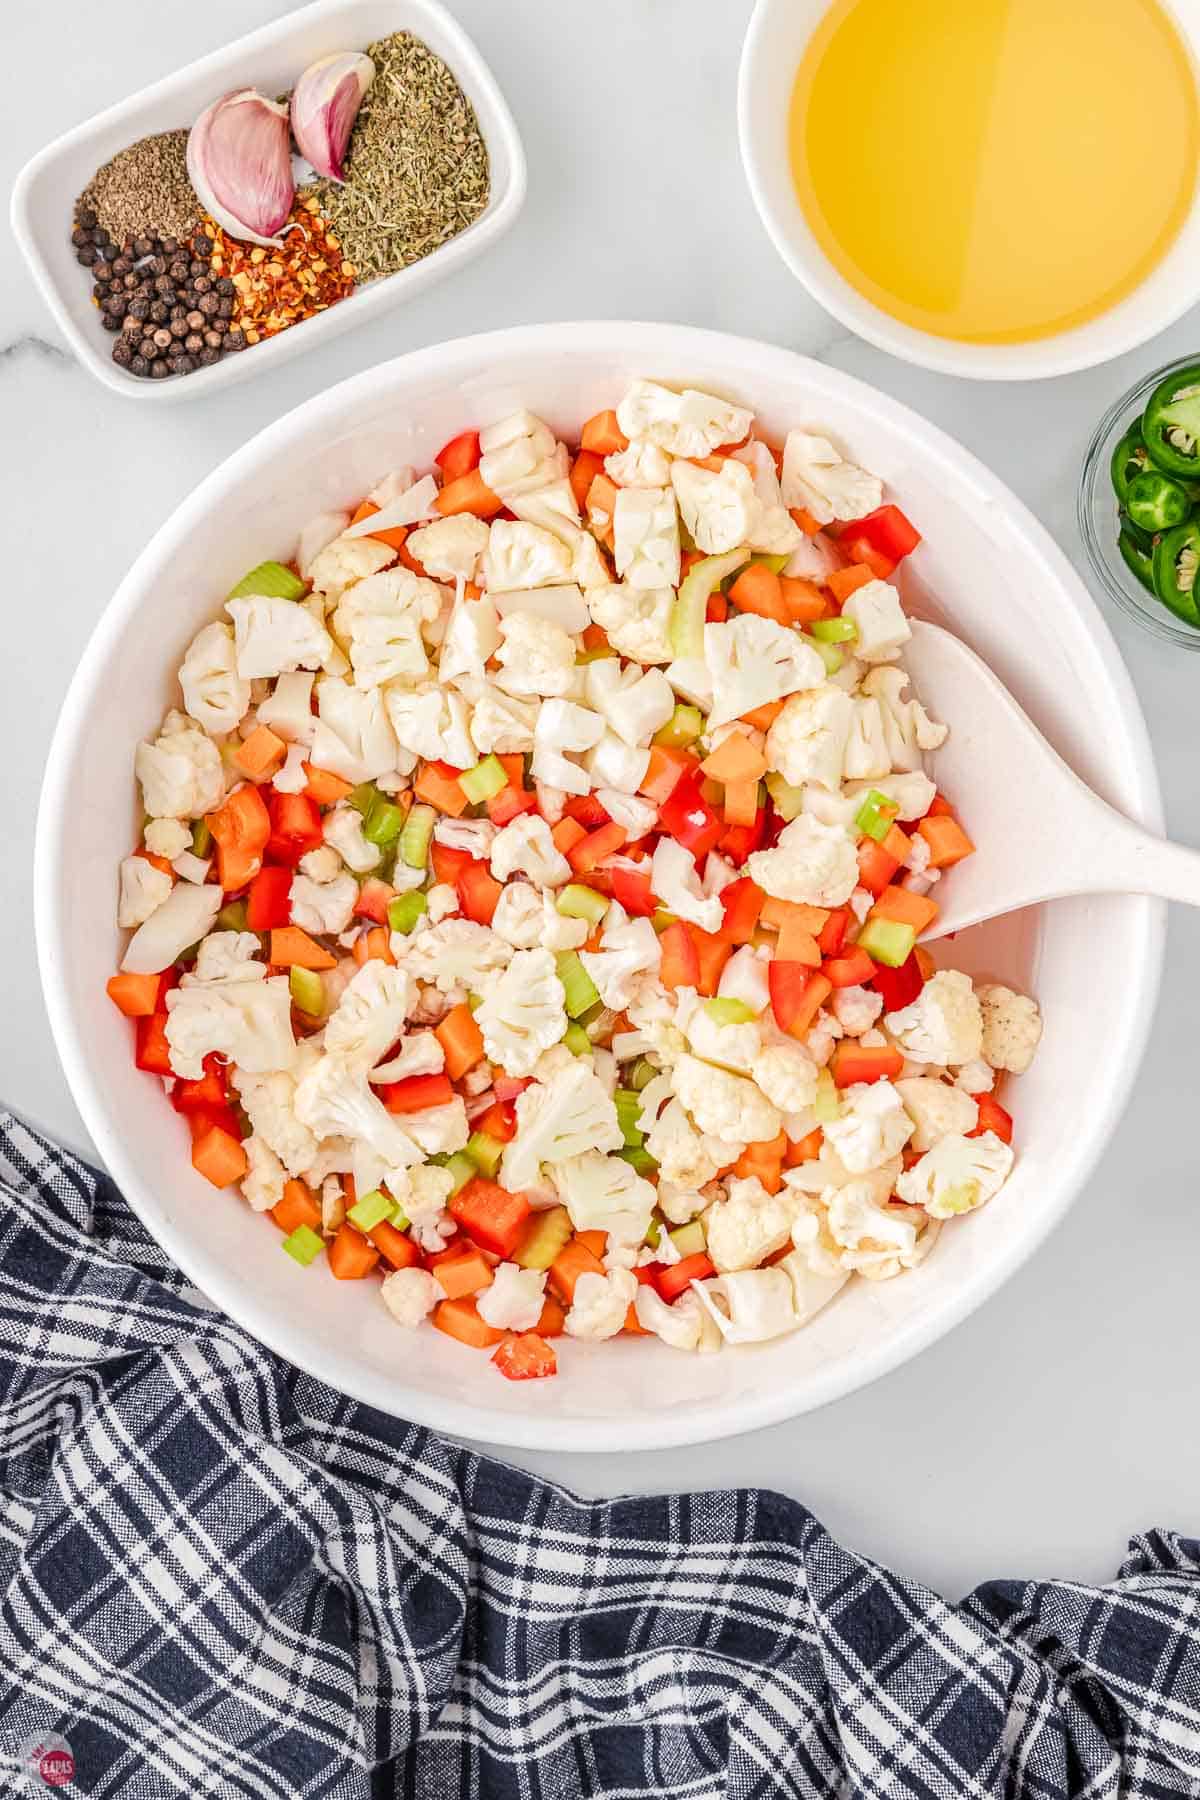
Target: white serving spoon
x: 1047, y: 834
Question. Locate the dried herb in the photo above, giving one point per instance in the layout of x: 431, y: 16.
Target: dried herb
x: 144, y: 187
x: 417, y: 169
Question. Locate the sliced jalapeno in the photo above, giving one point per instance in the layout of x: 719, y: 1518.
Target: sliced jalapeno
x: 1143, y: 539
x: 1171, y: 423
x: 1138, y: 561
x: 1155, y: 502
x: 1176, y: 568
x: 1128, y: 459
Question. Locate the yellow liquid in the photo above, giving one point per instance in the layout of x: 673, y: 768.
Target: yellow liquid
x: 995, y: 170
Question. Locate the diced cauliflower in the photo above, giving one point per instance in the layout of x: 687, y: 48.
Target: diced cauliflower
x: 344, y: 834
x: 143, y: 890
x: 514, y: 451
x: 677, y: 1324
x: 866, y: 756
x: 269, y: 1102
x: 214, y: 693
x: 410, y: 1295
x: 525, y: 847
x: 475, y: 836
x: 1012, y: 1029
x: 440, y: 1130
x: 316, y: 536
x: 675, y: 882
x: 944, y: 1024
x: 563, y: 726
x: 872, y: 1129
x: 936, y: 1109
x: 719, y: 508
x: 856, y: 1009
x: 431, y: 722
x: 724, y: 1106
x: 870, y: 1236
x: 559, y: 1118
x: 686, y: 424
x: 753, y: 661
x: 472, y: 636
x: 907, y: 728
x: 515, y: 1298
x: 808, y: 740
x: 227, y: 956
x: 602, y: 1193
x: 457, y: 953
x: 641, y: 464
x: 735, y: 1047
x: 323, y: 906
x: 811, y: 863
x: 246, y: 1021
x: 524, y: 918
x: 975, y: 1077
x: 537, y: 657
x: 418, y: 1054
x: 273, y: 636
x: 369, y: 1016
x: 450, y: 549
x: 634, y: 701
x: 167, y: 837
x: 775, y: 532
x: 816, y: 478
x: 521, y: 555
x: 750, y: 1306
x: 882, y: 627
x: 265, y: 1177
x: 637, y: 620
x: 646, y: 537
x: 180, y: 919
x: 912, y: 793
x: 750, y: 1225
x: 614, y: 764
x: 334, y: 1100
x: 180, y: 771
x: 744, y: 978
x: 522, y: 1012
x: 353, y: 737
x: 346, y: 560
x: 787, y: 1075
x: 957, y: 1175
x: 628, y: 948
x: 500, y: 722
x: 382, y: 619
x: 601, y: 1303
x: 811, y: 1291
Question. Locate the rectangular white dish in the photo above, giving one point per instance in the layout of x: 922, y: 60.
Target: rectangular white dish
x: 270, y: 59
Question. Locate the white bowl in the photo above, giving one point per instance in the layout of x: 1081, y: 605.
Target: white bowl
x: 271, y: 59
x: 996, y: 576
x: 775, y: 42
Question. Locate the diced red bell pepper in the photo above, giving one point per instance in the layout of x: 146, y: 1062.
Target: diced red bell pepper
x: 448, y: 863
x: 478, y: 892
x: 507, y: 1087
x: 295, y: 827
x: 605, y: 841
x: 221, y: 1118
x: 737, y: 842
x: 716, y: 609
x: 852, y: 969
x: 210, y: 1091
x: 499, y: 1122
x: 853, y: 1062
x: 459, y: 456
x: 631, y: 889
x: 875, y: 867
x: 687, y: 817
x: 742, y: 901
x: 992, y: 1117
x: 797, y: 995
x: 680, y: 965
x: 372, y: 902
x: 491, y: 1216
x: 151, y: 1050
x: 524, y: 1356
x: 587, y: 810
x: 673, y: 1279
x: 712, y: 953
x: 509, y: 804
x: 416, y: 1092
x: 880, y: 540
x: 665, y: 771
x: 268, y: 903
x: 899, y: 987
x: 832, y: 934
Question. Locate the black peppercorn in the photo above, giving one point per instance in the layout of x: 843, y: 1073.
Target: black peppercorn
x: 225, y: 309
x: 209, y: 305
x: 202, y: 244
x: 196, y: 320
x: 86, y: 255
x: 116, y: 306
x: 100, y: 291
x: 163, y: 284
x: 193, y: 343
x: 123, y: 352
x: 233, y: 340
x: 173, y: 363
x: 159, y: 312
x: 170, y: 245
x: 195, y: 267
x: 86, y: 217
x: 162, y: 338
x: 225, y: 285
x: 178, y: 272
x: 158, y: 369
x: 139, y: 365
x: 144, y: 246
x: 79, y: 237
x: 186, y: 365
x: 215, y: 341
x: 109, y: 323
x: 139, y: 308
x: 122, y: 266
x: 101, y: 236
x: 209, y: 356
x: 149, y: 348
x: 158, y: 265
x: 178, y: 328
x: 130, y: 283
x: 202, y: 284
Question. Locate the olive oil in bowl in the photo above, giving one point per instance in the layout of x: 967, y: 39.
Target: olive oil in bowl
x: 995, y: 171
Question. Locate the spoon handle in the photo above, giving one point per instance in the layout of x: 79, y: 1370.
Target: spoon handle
x: 1125, y: 859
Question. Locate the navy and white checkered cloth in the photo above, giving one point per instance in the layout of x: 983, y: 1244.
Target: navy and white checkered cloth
x: 219, y: 1578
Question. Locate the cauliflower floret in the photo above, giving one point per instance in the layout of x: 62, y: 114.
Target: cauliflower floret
x: 787, y: 1075
x: 431, y: 722
x: 167, y: 837
x: 334, y: 1100
x: 944, y: 1024
x: 677, y: 1324
x: 975, y: 1077
x: 646, y: 537
x: 316, y: 536
x: 352, y: 737
x: 720, y: 509
x: 323, y: 906
x: 265, y: 1177
x: 382, y: 620
x: 500, y: 722
x: 521, y: 555
x: 866, y: 747
x: 247, y: 1022
x: 744, y: 978
x: 675, y: 882
x: 537, y: 656
x: 1012, y: 1029
x: 514, y: 452
x: 617, y: 766
x: 344, y: 834
x: 754, y: 661
x: 912, y: 793
x: 750, y: 1306
x: 287, y: 709
x: 957, y: 1175
x: 811, y: 1291
x: 635, y: 702
x: 143, y: 890
x: 472, y: 636
x: 641, y: 464
x: 369, y: 1017
x: 735, y: 1047
x: 272, y: 636
x: 227, y: 956
x: 526, y: 847
x: 418, y: 1054
x: 450, y: 549
x: 559, y: 1118
x: 907, y: 727
x: 686, y: 424
x: 600, y: 1304
x: 522, y: 1012
x: 936, y: 1109
x: 410, y: 1295
x: 872, y: 1129
x: 808, y: 740
x: 628, y: 949
x: 870, y: 1236
x: 725, y: 1106
x: 775, y: 532
x: 811, y: 863
x: 602, y: 1193
x: 269, y: 1102
x: 514, y: 1300
x: 686, y: 1157
x: 750, y: 1225
x: 421, y: 1192
x: 180, y: 771
x: 856, y: 1009
x: 214, y: 693
x: 475, y: 836
x: 816, y: 478
x: 882, y: 627
x: 637, y: 620
x: 440, y: 1130
x: 525, y: 918
x: 457, y: 953
x: 562, y: 726
x: 635, y: 816
x: 346, y: 560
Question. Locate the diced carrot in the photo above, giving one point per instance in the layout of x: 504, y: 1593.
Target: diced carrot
x: 602, y: 498
x: 805, y: 1149
x: 218, y: 1157
x: 551, y: 1318
x: 156, y: 862
x: 394, y: 1246
x: 324, y: 788
x: 798, y: 945
x: 602, y: 435
x: 134, y: 995
x: 595, y: 1241
x: 737, y: 759
x: 897, y: 845
x: 438, y: 785
x: 757, y: 590
x: 906, y: 908
x: 633, y: 1325
x: 393, y: 535
x: 948, y: 842
x: 416, y: 1093
x: 804, y: 519
x: 778, y: 913
x: 763, y: 717
x: 764, y: 1161
x: 803, y: 600
x: 567, y: 833
x: 797, y: 995
x: 925, y: 962
x: 665, y: 770
x: 404, y: 555
x: 299, y: 1206
x: 584, y: 470
x: 853, y: 968
x: 373, y: 946
x: 293, y: 948
x: 242, y: 829
x: 461, y: 1040
x: 499, y: 1122
x: 469, y: 494
x: 261, y: 754
x: 875, y: 867
x: 595, y: 847
x: 572, y: 1261
x: 712, y: 953
x: 853, y: 1062
x: 460, y: 1319
x: 350, y: 1255
x: 844, y: 582
x: 524, y: 1356
x: 940, y: 808
x: 741, y: 802
x: 466, y: 1274
x: 595, y: 637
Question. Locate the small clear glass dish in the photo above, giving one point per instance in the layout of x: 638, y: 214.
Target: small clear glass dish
x: 1098, y: 515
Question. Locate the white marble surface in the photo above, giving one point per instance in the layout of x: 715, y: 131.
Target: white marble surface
x: 1062, y: 1416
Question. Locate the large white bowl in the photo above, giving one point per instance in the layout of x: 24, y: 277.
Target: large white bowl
x: 986, y: 567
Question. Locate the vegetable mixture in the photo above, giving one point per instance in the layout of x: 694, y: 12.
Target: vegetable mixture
x: 529, y: 895
x: 1156, y: 478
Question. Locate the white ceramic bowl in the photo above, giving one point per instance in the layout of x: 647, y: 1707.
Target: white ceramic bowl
x: 271, y: 59
x: 775, y: 41
x: 986, y: 567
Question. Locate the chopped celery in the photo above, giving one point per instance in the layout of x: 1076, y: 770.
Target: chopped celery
x: 728, y: 1011
x: 414, y: 839
x: 485, y: 1152
x: 462, y: 1168
x: 272, y: 580
x: 639, y: 1160
x: 826, y: 1106
x: 371, y: 1210
x: 483, y: 781
x: 629, y: 1108
x: 583, y: 657
x: 546, y: 1234
x: 772, y: 560
x: 579, y: 902
x: 691, y: 602
x: 384, y: 822
x: 661, y: 918
x: 681, y: 729
x: 233, y: 916
x: 789, y: 801
x: 308, y: 991
x: 834, y: 631
x: 654, y: 1232
x: 304, y: 1245
x: 579, y: 990
x: 887, y: 941
x: 363, y: 797
x: 874, y: 817
x: 641, y: 1074
x: 577, y: 1040
x: 404, y: 911
x: 201, y: 838
x: 960, y: 1198
x: 689, y: 1239
x: 829, y: 654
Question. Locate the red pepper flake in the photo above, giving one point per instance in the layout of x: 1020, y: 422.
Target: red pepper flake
x: 278, y: 287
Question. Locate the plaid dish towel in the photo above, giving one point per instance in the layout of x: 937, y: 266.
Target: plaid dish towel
x: 220, y: 1578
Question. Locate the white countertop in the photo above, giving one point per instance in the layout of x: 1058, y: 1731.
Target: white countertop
x: 1061, y: 1417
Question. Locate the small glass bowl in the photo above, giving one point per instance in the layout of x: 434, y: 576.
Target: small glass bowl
x: 1098, y: 515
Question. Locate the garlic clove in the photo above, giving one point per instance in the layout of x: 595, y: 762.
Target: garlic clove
x: 239, y: 162
x: 325, y: 103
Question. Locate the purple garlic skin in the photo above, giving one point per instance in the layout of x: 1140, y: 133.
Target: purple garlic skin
x: 239, y: 162
x: 325, y: 104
